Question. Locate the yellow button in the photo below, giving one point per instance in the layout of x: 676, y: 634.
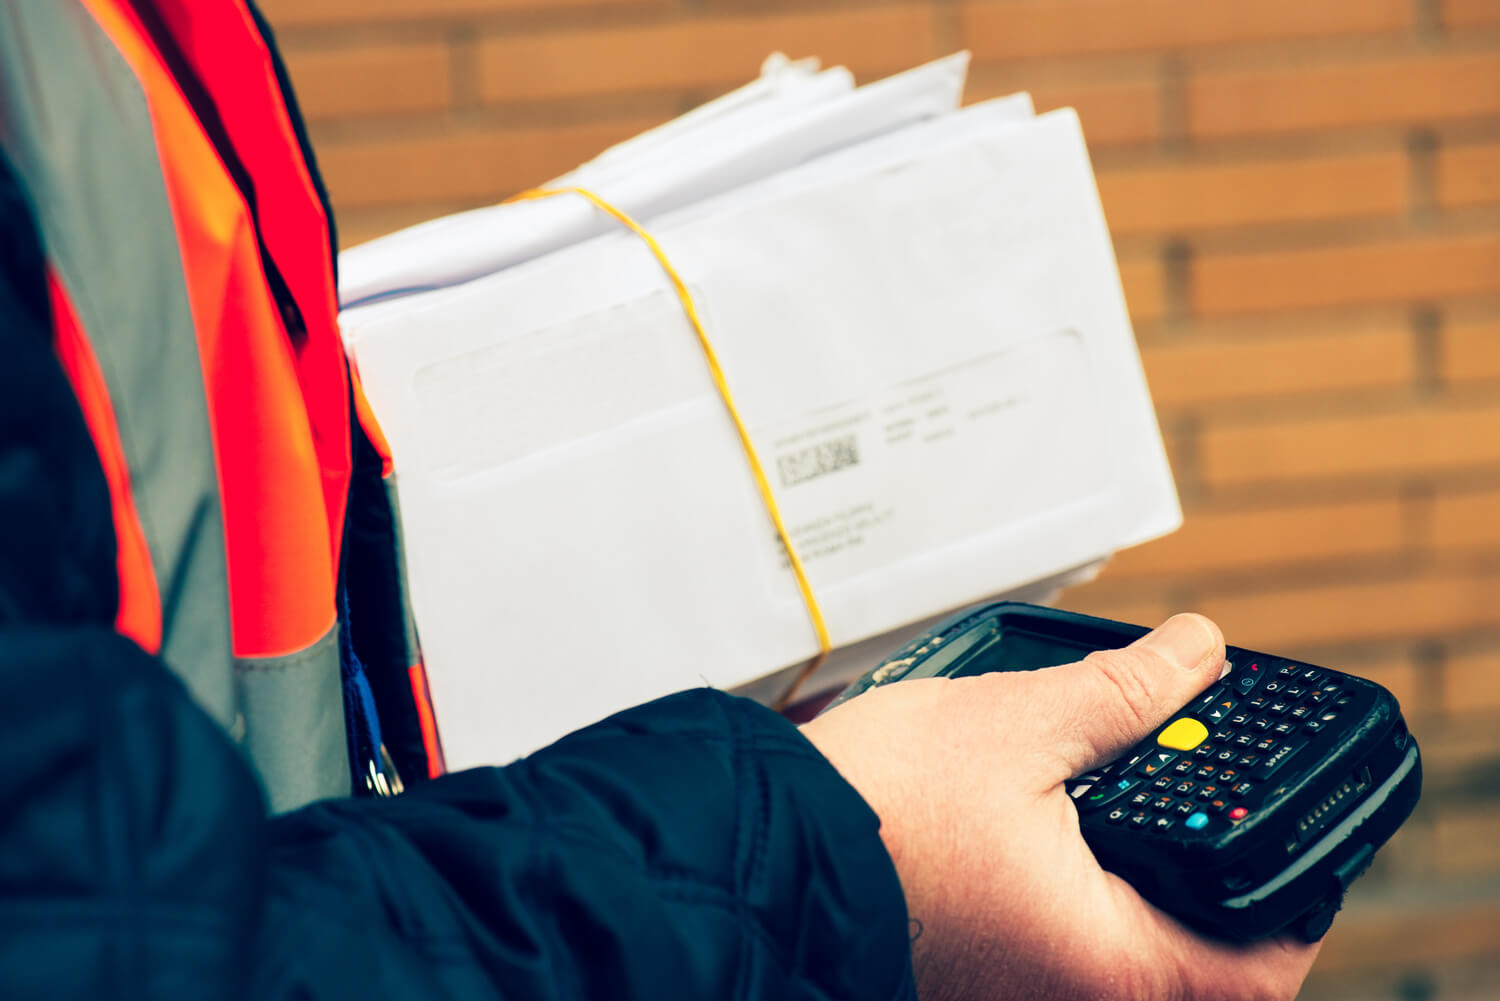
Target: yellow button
x: 1183, y: 735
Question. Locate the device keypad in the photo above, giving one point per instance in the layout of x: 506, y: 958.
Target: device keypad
x: 1211, y: 765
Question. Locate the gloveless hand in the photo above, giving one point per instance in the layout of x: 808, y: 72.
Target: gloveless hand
x: 1005, y: 897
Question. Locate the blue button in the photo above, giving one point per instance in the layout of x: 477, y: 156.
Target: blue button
x: 1197, y: 821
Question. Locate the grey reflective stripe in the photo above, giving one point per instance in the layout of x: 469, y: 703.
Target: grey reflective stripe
x: 294, y: 723
x: 77, y: 128
x: 413, y: 648
x: 79, y: 132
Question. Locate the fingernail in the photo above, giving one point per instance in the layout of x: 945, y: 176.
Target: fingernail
x: 1184, y: 640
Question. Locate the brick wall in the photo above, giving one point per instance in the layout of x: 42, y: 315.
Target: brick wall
x: 1305, y: 196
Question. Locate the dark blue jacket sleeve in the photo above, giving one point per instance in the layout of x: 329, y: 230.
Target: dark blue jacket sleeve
x: 694, y: 847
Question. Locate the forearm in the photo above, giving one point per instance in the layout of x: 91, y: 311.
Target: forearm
x: 695, y: 847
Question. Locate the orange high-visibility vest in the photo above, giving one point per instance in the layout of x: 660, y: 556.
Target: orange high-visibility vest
x: 195, y: 315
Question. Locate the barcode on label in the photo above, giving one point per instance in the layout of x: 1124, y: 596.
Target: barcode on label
x: 817, y: 460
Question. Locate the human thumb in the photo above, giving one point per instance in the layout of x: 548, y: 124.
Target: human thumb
x: 1117, y: 697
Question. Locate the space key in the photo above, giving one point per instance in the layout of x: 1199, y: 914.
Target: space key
x: 1275, y: 759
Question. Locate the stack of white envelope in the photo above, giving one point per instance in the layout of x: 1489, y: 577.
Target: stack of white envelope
x: 919, y: 315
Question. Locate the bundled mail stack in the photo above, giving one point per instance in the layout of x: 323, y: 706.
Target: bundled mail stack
x: 919, y: 317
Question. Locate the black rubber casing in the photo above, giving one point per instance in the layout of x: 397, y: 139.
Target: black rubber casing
x: 1310, y: 828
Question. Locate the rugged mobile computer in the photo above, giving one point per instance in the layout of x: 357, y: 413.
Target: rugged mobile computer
x: 1251, y: 810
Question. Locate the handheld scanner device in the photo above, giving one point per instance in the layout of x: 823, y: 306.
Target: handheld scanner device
x: 1251, y: 810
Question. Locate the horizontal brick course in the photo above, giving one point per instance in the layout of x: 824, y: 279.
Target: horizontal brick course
x: 1469, y: 13
x: 698, y: 53
x: 1363, y: 445
x: 1293, y: 618
x: 1027, y: 29
x: 1465, y: 521
x: 1471, y: 684
x: 1182, y: 198
x: 1117, y: 113
x: 1471, y: 351
x: 1144, y: 281
x: 1464, y: 842
x: 1339, y: 94
x: 1391, y: 270
x: 473, y: 165
x: 371, y: 80
x: 1186, y: 374
x: 1411, y: 930
x: 304, y: 13
x: 1468, y: 175
x: 1215, y: 543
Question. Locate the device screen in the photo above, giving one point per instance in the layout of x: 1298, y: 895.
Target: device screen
x: 1018, y: 651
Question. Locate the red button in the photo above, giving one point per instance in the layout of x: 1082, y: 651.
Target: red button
x: 1238, y: 813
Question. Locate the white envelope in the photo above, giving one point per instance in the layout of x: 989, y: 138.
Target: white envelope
x: 708, y: 156
x: 929, y: 346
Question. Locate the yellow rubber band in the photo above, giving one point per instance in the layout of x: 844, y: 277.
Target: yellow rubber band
x: 825, y: 644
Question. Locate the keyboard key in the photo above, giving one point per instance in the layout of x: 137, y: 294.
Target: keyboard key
x: 1220, y: 710
x: 1182, y: 734
x: 1277, y: 758
x: 1247, y: 678
x: 1155, y: 761
x: 1100, y: 795
x: 1205, y: 700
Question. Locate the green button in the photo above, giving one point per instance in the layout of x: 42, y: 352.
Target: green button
x: 1183, y: 734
